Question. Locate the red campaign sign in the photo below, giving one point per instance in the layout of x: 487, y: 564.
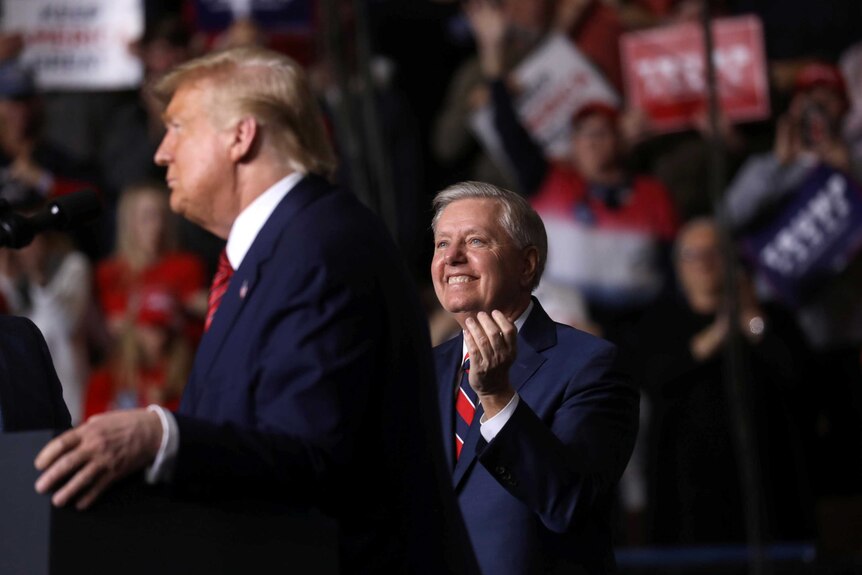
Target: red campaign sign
x: 665, y: 77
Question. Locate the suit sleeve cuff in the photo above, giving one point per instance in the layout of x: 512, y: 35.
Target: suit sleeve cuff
x: 491, y: 427
x: 162, y: 469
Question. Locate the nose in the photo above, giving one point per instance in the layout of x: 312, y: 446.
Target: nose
x: 163, y: 153
x: 453, y: 254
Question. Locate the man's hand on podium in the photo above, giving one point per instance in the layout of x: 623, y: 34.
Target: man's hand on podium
x: 82, y: 462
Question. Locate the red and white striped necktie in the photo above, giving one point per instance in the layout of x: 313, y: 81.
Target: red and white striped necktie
x: 221, y: 279
x: 465, y: 407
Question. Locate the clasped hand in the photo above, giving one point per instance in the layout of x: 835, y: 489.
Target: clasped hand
x: 492, y: 343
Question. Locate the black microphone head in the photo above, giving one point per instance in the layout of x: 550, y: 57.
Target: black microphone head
x: 66, y: 212
x: 75, y: 209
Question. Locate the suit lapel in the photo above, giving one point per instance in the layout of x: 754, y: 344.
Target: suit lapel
x: 242, y: 284
x: 468, y: 452
x: 537, y: 335
x: 447, y: 361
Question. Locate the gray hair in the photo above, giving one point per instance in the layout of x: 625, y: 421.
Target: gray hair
x: 518, y: 218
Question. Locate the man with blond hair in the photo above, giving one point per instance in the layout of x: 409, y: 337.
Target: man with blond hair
x: 313, y: 381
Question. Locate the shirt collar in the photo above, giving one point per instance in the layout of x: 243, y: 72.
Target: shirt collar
x: 519, y: 323
x: 249, y: 222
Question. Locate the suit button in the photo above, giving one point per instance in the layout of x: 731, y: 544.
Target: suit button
x: 501, y: 471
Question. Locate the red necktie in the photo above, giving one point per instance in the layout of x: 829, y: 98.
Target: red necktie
x: 221, y: 279
x: 465, y: 407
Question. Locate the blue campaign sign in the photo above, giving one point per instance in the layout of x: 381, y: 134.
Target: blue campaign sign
x: 273, y: 15
x: 811, y: 238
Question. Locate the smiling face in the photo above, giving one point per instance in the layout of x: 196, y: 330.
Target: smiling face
x: 196, y: 152
x: 476, y: 265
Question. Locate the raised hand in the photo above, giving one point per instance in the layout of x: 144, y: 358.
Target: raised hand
x: 489, y: 29
x: 492, y: 343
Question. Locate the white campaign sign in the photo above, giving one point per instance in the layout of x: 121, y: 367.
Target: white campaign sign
x: 554, y: 82
x: 78, y: 44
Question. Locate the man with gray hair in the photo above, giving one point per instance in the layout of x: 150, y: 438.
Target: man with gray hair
x: 537, y: 422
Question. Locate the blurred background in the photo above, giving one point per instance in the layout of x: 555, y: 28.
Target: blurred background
x: 705, y: 218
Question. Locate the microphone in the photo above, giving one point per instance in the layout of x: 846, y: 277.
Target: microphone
x: 66, y: 212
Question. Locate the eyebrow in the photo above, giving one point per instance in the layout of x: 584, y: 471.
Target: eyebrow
x: 466, y: 232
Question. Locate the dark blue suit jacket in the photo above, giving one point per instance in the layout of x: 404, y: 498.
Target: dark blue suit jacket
x: 538, y: 497
x: 314, y: 386
x: 30, y: 393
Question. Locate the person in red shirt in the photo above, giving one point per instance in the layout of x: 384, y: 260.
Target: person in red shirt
x: 151, y: 363
x: 609, y: 231
x: 146, y: 258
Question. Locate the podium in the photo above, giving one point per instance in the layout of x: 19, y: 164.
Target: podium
x: 136, y: 528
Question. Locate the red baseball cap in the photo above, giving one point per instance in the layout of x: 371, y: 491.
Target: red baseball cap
x: 821, y: 74
x: 596, y: 107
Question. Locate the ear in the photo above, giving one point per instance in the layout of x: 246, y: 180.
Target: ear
x: 530, y: 264
x: 245, y: 134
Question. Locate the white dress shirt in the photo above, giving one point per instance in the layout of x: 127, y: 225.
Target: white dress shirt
x: 489, y: 428
x: 242, y: 234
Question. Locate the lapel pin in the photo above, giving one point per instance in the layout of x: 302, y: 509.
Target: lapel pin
x: 243, y: 289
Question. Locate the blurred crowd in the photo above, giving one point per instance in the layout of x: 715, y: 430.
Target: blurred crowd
x: 638, y: 247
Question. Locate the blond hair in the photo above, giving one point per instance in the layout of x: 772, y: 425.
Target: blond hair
x: 127, y: 248
x: 270, y: 87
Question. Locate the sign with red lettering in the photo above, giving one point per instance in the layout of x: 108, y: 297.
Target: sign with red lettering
x: 665, y: 77
x: 78, y: 44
